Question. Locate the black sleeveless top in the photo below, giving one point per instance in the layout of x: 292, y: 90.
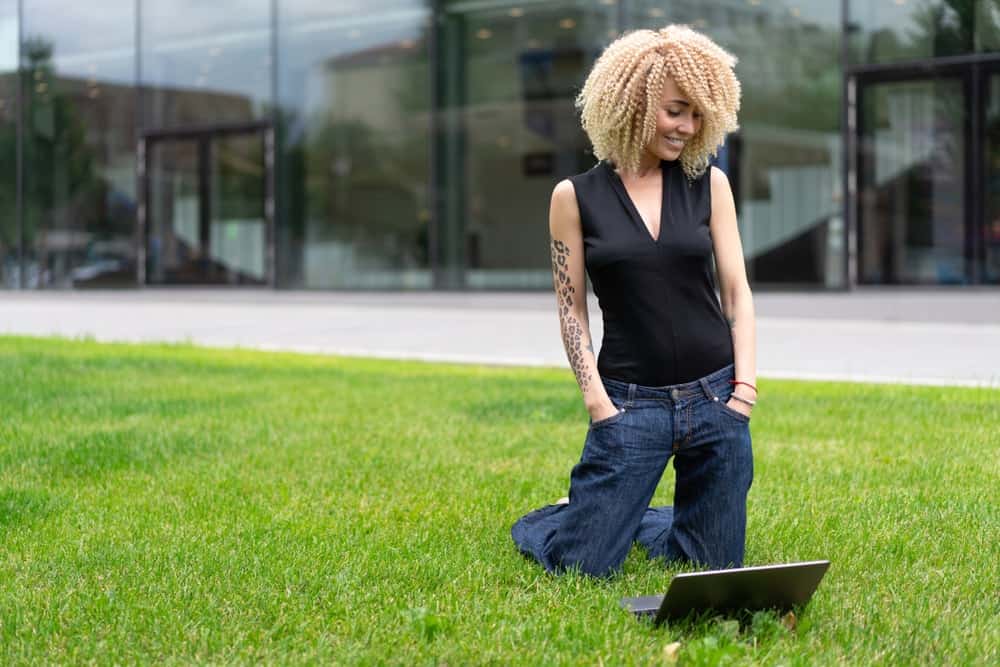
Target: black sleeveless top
x: 663, y: 323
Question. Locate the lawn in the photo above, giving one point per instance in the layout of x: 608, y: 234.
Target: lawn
x: 175, y: 504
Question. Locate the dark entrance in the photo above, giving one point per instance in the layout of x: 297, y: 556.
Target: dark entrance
x: 207, y: 209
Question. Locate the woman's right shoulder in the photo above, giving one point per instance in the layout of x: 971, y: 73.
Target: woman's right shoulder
x: 564, y: 192
x: 568, y: 210
x: 567, y: 187
x: 564, y: 211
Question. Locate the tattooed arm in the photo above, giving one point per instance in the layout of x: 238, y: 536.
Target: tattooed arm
x: 568, y: 273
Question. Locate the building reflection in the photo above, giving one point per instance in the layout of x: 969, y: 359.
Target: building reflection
x: 404, y: 144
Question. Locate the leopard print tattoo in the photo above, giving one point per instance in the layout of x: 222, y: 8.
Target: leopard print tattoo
x: 572, y: 332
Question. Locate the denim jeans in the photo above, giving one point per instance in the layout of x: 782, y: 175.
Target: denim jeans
x: 623, y: 459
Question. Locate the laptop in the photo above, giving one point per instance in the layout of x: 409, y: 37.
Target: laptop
x: 781, y: 587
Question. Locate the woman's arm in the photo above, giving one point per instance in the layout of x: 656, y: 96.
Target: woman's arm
x: 568, y: 277
x: 734, y: 290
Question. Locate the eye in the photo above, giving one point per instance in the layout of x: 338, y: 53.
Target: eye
x: 672, y: 113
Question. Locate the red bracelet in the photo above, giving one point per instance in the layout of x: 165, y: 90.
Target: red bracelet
x: 742, y: 382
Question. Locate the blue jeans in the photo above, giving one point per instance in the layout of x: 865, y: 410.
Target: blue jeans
x: 623, y: 459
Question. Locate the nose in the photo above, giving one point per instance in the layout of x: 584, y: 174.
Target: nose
x: 686, y: 127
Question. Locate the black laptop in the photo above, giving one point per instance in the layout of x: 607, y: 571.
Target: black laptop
x: 778, y: 587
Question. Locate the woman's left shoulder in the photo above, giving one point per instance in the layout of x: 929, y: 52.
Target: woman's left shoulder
x: 717, y: 185
x: 712, y: 178
x: 717, y: 177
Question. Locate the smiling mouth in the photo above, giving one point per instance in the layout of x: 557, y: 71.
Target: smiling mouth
x: 675, y: 142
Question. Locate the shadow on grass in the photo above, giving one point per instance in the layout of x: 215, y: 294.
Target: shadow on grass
x: 18, y: 506
x: 713, y: 639
x: 103, y: 449
x: 113, y: 450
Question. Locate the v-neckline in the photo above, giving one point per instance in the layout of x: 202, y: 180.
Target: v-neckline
x: 632, y: 209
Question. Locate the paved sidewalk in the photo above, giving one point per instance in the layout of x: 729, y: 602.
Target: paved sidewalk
x: 932, y: 336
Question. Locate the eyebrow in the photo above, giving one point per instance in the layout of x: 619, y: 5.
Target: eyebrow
x: 684, y: 102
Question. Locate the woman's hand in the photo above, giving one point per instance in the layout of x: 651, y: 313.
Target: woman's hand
x: 603, y: 412
x: 740, y: 406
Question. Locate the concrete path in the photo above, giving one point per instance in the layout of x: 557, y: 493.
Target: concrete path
x: 933, y: 336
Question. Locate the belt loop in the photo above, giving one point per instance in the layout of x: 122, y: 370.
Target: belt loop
x: 631, y: 395
x: 707, y: 389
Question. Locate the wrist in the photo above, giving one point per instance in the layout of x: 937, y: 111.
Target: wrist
x: 596, y: 403
x: 744, y: 388
x: 749, y: 402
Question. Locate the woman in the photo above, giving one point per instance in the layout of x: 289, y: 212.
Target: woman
x: 676, y: 371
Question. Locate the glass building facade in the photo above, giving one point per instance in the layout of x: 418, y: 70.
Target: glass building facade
x: 414, y: 144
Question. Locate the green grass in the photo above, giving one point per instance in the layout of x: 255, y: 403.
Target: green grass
x: 172, y: 504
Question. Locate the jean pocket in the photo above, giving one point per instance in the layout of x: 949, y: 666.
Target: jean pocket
x: 729, y: 411
x: 721, y: 399
x: 609, y: 420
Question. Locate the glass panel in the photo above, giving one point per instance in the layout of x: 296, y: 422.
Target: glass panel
x: 205, y: 62
x: 912, y: 177
x: 175, y: 248
x: 991, y: 228
x: 892, y: 30
x: 10, y: 260
x: 987, y: 25
x: 784, y: 163
x: 238, y: 227
x: 355, y: 91
x: 79, y: 143
x: 511, y: 71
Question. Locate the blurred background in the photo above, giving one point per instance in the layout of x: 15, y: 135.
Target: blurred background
x: 413, y: 145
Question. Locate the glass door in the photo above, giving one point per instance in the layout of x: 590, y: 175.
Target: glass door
x: 912, y: 182
x: 175, y: 252
x: 206, y: 215
x: 236, y: 212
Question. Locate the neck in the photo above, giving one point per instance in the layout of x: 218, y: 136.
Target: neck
x: 648, y: 164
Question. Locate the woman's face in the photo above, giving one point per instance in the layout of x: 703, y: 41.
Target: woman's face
x: 677, y: 121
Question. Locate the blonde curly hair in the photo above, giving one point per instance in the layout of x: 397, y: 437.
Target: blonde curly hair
x: 620, y: 98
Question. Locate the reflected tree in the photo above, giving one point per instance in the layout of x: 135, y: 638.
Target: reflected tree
x: 948, y: 27
x: 365, y: 179
x: 61, y: 183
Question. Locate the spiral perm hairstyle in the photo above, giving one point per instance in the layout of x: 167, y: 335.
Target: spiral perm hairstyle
x: 619, y: 100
